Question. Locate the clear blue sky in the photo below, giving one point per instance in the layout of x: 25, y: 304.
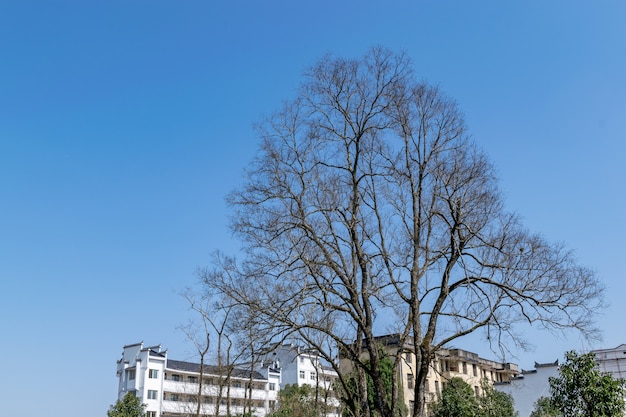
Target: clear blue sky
x: 124, y: 123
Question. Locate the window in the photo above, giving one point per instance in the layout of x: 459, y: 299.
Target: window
x: 437, y: 387
x: 272, y: 386
x: 409, y: 357
x: 175, y: 397
x: 152, y: 394
x: 130, y: 374
x: 236, y: 384
x: 302, y: 375
x: 465, y: 368
x: 207, y: 400
x: 313, y: 376
x: 150, y: 413
x: 193, y: 379
x: 301, y: 359
x: 153, y: 373
x: 409, y: 381
x: 474, y: 370
x: 476, y: 390
x: 175, y: 377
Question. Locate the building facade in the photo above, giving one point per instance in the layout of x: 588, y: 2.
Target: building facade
x: 172, y: 388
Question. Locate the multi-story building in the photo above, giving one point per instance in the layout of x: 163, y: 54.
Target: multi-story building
x: 447, y: 364
x: 302, y: 366
x: 171, y: 388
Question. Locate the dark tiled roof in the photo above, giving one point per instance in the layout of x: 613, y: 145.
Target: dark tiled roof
x: 546, y: 365
x: 158, y: 354
x: 211, y: 369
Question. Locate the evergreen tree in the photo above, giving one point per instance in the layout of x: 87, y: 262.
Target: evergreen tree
x: 295, y: 401
x: 493, y: 403
x: 129, y: 406
x: 544, y: 408
x: 581, y: 390
x: 457, y: 400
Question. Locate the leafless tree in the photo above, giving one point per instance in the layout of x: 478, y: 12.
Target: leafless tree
x: 368, y: 198
x: 198, y: 332
x: 213, y: 322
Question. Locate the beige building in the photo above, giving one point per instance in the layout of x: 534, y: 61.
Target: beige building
x: 448, y: 363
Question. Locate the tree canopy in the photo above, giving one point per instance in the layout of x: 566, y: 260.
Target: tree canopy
x: 367, y: 202
x: 493, y: 403
x: 300, y: 401
x: 129, y: 406
x: 544, y: 408
x: 581, y: 390
x: 458, y: 399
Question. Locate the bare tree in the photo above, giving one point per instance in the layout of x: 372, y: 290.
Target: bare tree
x: 368, y: 198
x: 214, y: 323
x: 199, y: 334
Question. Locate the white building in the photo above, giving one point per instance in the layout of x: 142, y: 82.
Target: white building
x: 170, y: 388
x: 612, y: 361
x: 302, y: 366
x: 529, y: 386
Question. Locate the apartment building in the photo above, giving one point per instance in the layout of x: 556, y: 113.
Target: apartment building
x: 170, y: 388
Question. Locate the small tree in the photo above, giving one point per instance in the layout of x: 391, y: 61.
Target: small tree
x: 581, y: 390
x: 457, y: 400
x: 295, y: 401
x: 129, y: 406
x: 544, y: 408
x: 493, y: 403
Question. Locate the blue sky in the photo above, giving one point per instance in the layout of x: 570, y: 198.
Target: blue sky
x: 123, y: 124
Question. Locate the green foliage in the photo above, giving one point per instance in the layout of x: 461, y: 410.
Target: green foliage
x: 581, y: 390
x: 457, y: 400
x: 129, y: 406
x: 493, y: 403
x: 544, y: 408
x: 387, y: 376
x: 295, y: 401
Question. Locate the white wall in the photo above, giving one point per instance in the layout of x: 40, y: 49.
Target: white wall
x: 527, y: 390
